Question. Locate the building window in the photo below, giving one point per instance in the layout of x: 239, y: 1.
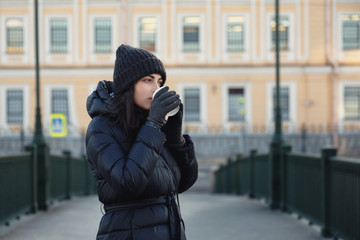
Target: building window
x: 284, y: 103
x: 147, y: 33
x: 191, y: 34
x: 284, y: 24
x: 235, y: 33
x: 236, y: 104
x: 102, y: 35
x: 352, y: 103
x: 59, y: 103
x: 351, y: 31
x: 14, y: 35
x: 14, y: 106
x: 192, y: 104
x: 58, y: 35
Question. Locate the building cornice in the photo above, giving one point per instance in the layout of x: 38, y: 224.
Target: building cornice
x: 182, y: 71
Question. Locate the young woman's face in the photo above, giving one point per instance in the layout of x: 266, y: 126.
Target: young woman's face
x: 144, y: 89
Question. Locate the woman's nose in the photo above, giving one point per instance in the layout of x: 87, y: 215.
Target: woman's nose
x: 155, y: 87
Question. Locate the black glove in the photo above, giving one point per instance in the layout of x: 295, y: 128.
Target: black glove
x: 164, y: 101
x: 173, y: 128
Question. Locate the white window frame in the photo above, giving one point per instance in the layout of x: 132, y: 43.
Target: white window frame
x: 26, y: 104
x: 4, y: 55
x: 248, y: 104
x: 342, y: 121
x: 203, y: 103
x: 202, y: 46
x: 91, y: 38
x: 158, y: 43
x: 48, y: 54
x: 339, y: 35
x: 292, y: 123
x: 290, y: 54
x: 246, y: 53
x: 72, y: 128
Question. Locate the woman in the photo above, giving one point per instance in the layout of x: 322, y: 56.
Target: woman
x: 140, y: 160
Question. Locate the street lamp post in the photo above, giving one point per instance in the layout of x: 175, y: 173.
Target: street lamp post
x: 38, y: 140
x: 277, y: 141
x: 38, y: 136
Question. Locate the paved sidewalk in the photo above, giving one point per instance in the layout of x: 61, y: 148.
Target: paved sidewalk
x: 223, y: 217
x: 207, y: 217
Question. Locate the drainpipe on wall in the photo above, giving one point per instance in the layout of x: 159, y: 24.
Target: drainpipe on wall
x: 124, y: 10
x: 334, y: 74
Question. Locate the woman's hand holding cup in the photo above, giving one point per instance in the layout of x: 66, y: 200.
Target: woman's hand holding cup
x: 164, y: 101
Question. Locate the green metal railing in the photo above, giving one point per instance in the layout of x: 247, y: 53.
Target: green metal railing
x: 58, y: 174
x: 65, y: 176
x: 325, y: 189
x: 17, y: 186
x: 344, y: 197
x: 245, y: 176
x: 261, y: 176
x: 69, y: 176
x: 303, y: 194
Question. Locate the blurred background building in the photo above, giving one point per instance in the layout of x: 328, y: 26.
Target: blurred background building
x: 219, y: 56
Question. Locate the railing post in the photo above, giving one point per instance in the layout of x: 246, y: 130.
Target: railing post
x: 22, y: 140
x: 67, y: 155
x: 219, y: 179
x: 228, y: 176
x: 238, y: 175
x: 224, y: 178
x: 326, y: 154
x: 303, y: 138
x: 274, y: 158
x: 286, y: 149
x: 216, y: 181
x: 43, y: 175
x: 252, y: 174
x: 33, y: 151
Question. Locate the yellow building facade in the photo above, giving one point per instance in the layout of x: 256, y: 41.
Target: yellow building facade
x: 219, y: 56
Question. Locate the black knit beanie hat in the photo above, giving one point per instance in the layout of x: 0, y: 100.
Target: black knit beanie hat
x: 132, y: 64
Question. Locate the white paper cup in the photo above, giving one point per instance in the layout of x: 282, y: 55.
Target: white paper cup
x: 172, y: 112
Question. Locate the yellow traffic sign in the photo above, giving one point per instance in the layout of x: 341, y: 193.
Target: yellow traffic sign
x: 58, y: 127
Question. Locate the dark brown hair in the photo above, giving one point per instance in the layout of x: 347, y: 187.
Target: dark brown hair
x: 127, y: 114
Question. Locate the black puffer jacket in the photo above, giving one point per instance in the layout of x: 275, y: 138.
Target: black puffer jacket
x: 136, y: 182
